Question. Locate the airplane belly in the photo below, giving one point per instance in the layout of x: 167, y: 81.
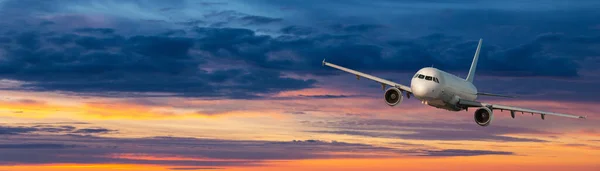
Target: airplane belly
x: 449, y: 100
x: 436, y: 103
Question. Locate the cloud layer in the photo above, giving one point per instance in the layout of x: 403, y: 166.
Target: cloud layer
x: 249, y: 53
x: 180, y: 151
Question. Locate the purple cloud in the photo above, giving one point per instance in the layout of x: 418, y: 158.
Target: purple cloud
x: 426, y: 130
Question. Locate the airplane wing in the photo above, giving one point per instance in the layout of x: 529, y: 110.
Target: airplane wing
x: 360, y: 74
x: 496, y: 95
x: 467, y: 103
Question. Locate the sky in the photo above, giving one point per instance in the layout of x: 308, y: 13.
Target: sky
x: 238, y: 85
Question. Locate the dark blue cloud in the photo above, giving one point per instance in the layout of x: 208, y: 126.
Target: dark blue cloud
x: 451, y: 53
x: 15, y: 130
x: 223, y: 50
x: 95, y: 30
x: 61, y: 128
x: 297, y: 30
x: 253, y: 19
x: 35, y: 146
x: 357, y: 28
x: 93, y: 131
x: 142, y: 64
x: 53, y: 128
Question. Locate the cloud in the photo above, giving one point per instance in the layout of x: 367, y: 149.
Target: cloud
x: 296, y: 112
x: 327, y: 96
x: 60, y: 128
x: 406, y: 55
x: 15, y: 130
x: 139, y: 64
x: 194, y: 152
x: 93, y: 131
x: 426, y: 130
x: 35, y: 146
x: 185, y: 56
x: 439, y: 135
x: 30, y: 101
x: 457, y: 152
x: 53, y: 129
x: 297, y: 30
x: 174, y: 150
x: 252, y: 19
x: 355, y: 28
x: 212, y: 3
x: 95, y: 30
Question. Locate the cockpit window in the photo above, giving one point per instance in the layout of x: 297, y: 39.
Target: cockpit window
x: 428, y: 78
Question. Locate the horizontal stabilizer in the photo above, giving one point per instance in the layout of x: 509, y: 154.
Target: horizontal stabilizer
x: 496, y: 95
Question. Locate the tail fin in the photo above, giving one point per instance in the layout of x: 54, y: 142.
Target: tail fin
x: 474, y: 64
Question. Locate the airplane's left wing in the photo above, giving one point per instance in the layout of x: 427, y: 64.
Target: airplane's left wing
x: 360, y: 74
x: 512, y: 110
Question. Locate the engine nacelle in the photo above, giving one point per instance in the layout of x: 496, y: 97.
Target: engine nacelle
x: 393, y: 96
x: 484, y: 116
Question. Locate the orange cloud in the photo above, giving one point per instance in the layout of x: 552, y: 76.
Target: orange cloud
x: 590, y: 132
x: 28, y: 108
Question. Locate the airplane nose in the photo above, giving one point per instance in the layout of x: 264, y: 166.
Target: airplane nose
x: 423, y: 91
x: 419, y: 91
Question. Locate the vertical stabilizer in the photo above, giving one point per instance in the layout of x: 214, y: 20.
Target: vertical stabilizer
x: 474, y: 64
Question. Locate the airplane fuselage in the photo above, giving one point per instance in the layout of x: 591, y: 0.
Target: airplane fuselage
x: 440, y: 89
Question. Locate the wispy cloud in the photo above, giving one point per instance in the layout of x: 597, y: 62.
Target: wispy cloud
x: 194, y: 152
x: 417, y: 130
x: 455, y: 152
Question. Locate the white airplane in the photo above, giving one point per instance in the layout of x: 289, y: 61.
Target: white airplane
x: 443, y: 90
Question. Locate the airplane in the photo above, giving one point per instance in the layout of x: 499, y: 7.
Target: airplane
x: 443, y: 90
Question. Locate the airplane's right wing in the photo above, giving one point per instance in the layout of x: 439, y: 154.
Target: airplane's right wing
x: 512, y: 110
x: 496, y: 95
x: 360, y: 74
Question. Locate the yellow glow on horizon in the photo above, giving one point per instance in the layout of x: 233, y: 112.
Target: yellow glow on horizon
x: 491, y: 163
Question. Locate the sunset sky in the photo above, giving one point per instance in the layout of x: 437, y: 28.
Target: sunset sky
x: 94, y: 85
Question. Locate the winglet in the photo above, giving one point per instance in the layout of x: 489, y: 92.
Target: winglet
x: 323, y: 62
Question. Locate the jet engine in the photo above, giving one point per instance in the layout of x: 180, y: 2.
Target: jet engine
x: 393, y: 96
x: 483, y: 116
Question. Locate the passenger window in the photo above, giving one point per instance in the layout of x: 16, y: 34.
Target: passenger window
x: 428, y: 78
x: 421, y: 76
